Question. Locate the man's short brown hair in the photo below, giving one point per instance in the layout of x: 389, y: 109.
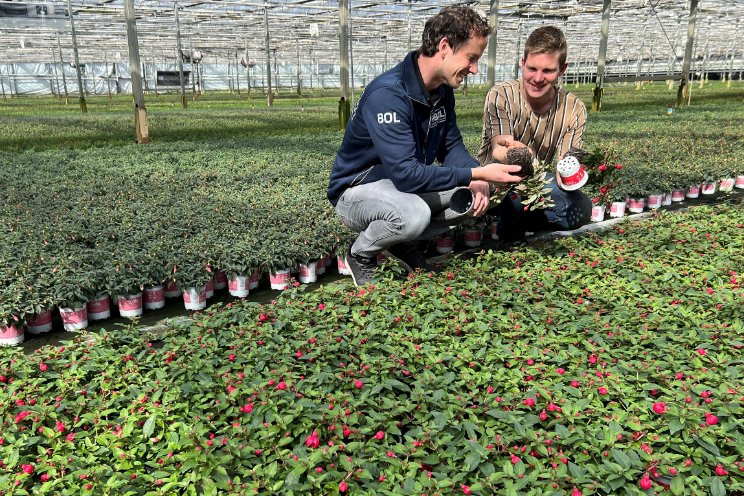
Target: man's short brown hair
x: 458, y: 24
x: 547, y: 39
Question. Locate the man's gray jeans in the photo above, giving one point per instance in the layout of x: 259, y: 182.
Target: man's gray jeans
x: 384, y: 216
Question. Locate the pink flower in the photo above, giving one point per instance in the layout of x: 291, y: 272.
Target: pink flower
x: 247, y: 408
x: 44, y: 477
x: 618, y: 166
x: 465, y: 489
x: 27, y: 468
x: 660, y: 407
x: 489, y: 389
x: 231, y: 358
x: 701, y: 351
x: 560, y: 371
x: 543, y: 415
x: 231, y: 389
x: 603, y: 390
x: 347, y: 431
x: 21, y: 416
x: 71, y: 436
x: 602, y: 167
x: 321, y: 306
x: 711, y: 419
x: 576, y: 491
x: 312, y: 440
x: 721, y: 471
x: 514, y: 459
x: 529, y: 402
x: 282, y: 385
x: 575, y: 384
x: 60, y: 426
x: 342, y: 488
x: 358, y: 384
x: 645, y: 482
x: 379, y: 435
x: 43, y: 367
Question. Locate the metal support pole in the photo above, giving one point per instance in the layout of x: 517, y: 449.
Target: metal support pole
x: 519, y: 47
x: 684, y: 85
x: 184, y: 103
x: 247, y: 67
x: 108, y: 74
x: 142, y: 131
x: 605, y: 29
x: 299, y: 81
x: 237, y: 72
x: 344, y: 106
x: 56, y: 75
x: 493, y: 20
x: 2, y: 85
x: 194, y: 75
x: 62, y: 68
x: 83, y: 106
x: 269, y: 94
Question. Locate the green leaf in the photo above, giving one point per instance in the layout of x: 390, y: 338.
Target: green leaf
x: 675, y: 426
x: 707, y: 445
x: 677, y: 486
x: 621, y: 458
x: 149, y: 426
x: 716, y: 487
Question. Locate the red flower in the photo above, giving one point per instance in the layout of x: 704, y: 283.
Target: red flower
x: 560, y: 371
x: 282, y: 385
x: 529, y: 402
x: 711, y: 419
x: 645, y: 482
x: 312, y: 440
x: 60, y: 426
x: 27, y: 468
x: 71, y: 436
x: 543, y: 415
x: 721, y: 471
x: 576, y: 491
x: 660, y: 407
x: 465, y: 489
x: 379, y: 435
x: 43, y: 367
x: 343, y: 487
x: 603, y: 390
x: 618, y: 166
x: 358, y: 384
x: 701, y: 351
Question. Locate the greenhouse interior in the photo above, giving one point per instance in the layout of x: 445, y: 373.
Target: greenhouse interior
x: 185, y: 308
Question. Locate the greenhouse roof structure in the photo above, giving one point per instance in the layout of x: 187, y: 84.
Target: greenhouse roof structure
x: 381, y: 30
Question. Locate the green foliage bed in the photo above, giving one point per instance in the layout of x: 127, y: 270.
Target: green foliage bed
x: 232, y: 184
x: 592, y: 365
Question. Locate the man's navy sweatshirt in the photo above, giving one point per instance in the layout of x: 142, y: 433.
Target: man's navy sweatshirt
x: 397, y: 131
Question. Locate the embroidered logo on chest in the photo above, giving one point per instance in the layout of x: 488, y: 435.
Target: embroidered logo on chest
x: 437, y: 117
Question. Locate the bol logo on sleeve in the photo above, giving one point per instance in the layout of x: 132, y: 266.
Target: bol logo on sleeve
x: 387, y: 118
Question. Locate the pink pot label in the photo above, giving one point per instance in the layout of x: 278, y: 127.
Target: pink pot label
x: 739, y: 182
x: 41, y: 319
x: 598, y: 211
x: 154, y: 294
x: 637, y: 203
x: 128, y: 304
x: 341, y: 264
x: 654, y: 199
x: 99, y: 306
x: 472, y: 235
x: 307, y: 270
x: 678, y: 195
x: 617, y: 208
x: 280, y: 277
x: 237, y: 283
x: 446, y: 241
x: 75, y: 316
x: 10, y: 332
x: 201, y: 297
x: 694, y: 190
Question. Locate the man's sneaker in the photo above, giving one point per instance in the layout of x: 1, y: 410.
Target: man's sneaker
x: 410, y: 255
x: 362, y: 268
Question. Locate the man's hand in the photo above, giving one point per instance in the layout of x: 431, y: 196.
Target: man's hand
x: 497, y: 173
x: 481, y: 192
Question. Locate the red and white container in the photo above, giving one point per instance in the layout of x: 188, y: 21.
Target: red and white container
x: 598, y: 213
x: 739, y: 183
x: 255, y: 278
x: 693, y: 191
x: 617, y: 209
x: 171, y: 290
x: 320, y: 266
x: 342, y: 268
x: 130, y: 305
x: 726, y: 185
x: 239, y: 286
x: 99, y: 307
x: 666, y: 199
x: 445, y: 243
x: 209, y: 288
x: 11, y: 335
x: 636, y: 205
x: 678, y: 195
x: 329, y: 259
x: 308, y: 273
x: 280, y: 279
x: 655, y: 200
x: 74, y: 319
x: 195, y: 298
x: 40, y: 323
x: 154, y: 297
x: 495, y: 230
x: 220, y: 280
x: 472, y: 237
x: 708, y: 188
